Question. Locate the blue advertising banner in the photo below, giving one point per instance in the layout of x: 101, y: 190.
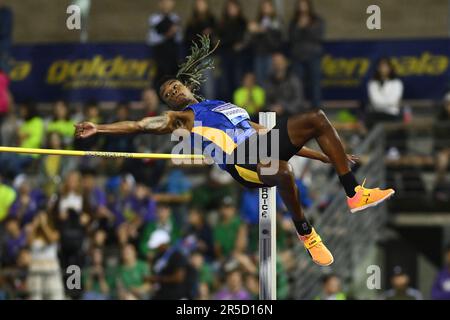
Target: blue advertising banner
x: 81, y: 72
x: 423, y: 66
x: 118, y: 72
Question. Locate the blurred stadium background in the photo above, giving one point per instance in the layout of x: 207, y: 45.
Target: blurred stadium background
x: 152, y: 230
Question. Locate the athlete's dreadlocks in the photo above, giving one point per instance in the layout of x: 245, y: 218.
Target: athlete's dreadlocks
x: 191, y: 71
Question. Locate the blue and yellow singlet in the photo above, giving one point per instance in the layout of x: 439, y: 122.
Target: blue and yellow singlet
x: 221, y: 127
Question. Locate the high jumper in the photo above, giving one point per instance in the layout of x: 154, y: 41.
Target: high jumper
x: 228, y: 129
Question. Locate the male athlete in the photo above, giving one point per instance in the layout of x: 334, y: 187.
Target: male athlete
x: 229, y: 128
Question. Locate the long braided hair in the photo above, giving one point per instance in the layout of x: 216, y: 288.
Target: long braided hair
x: 191, y: 72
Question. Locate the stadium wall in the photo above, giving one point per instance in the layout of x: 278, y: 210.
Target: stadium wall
x: 118, y: 20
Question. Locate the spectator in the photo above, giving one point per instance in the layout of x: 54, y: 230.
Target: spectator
x: 152, y: 105
x: 31, y: 135
x: 99, y: 239
x: 173, y: 276
x: 230, y: 234
x: 6, y: 27
x: 8, y: 117
x: 72, y: 243
x: 266, y: 39
x: 44, y: 278
x: 205, y: 275
x: 53, y: 167
x: 95, y: 284
x: 28, y: 201
x: 5, y: 98
x: 70, y: 197
x: 176, y: 191
x: 94, y: 200
x: 233, y: 288
x: 121, y: 205
x: 200, y: 229
x: 13, y: 279
x: 8, y: 196
x: 231, y: 31
x: 61, y: 122
x: 252, y: 285
x: 165, y: 37
x: 331, y: 288
x: 20, y: 276
x: 202, y: 22
x: 249, y: 210
x: 164, y: 221
x: 150, y: 171
x: 121, y: 143
x: 400, y: 287
x: 284, y: 91
x: 441, y: 135
x: 131, y: 277
x: 250, y: 96
x: 218, y: 185
x: 441, y: 285
x: 385, y: 91
x: 15, y: 241
x: 144, y: 205
x: 135, y: 208
x: 92, y: 112
x: 306, y: 34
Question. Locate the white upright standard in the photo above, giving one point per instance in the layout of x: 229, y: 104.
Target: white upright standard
x: 267, y: 230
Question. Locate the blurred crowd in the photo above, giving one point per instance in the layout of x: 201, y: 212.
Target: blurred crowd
x: 138, y: 229
x: 145, y: 229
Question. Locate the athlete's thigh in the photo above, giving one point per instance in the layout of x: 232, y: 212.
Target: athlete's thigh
x: 271, y: 173
x: 302, y: 127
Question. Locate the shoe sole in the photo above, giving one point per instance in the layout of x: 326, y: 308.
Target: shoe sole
x: 317, y: 262
x: 373, y: 204
x: 324, y: 265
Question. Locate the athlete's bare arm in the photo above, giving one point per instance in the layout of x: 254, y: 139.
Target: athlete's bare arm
x: 164, y: 124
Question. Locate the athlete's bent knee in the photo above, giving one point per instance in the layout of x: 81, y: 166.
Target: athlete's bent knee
x: 319, y: 119
x: 285, y: 173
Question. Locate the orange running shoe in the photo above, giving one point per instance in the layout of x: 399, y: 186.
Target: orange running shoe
x: 366, y: 198
x: 316, y: 248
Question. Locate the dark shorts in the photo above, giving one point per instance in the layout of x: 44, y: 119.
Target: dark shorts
x: 244, y: 170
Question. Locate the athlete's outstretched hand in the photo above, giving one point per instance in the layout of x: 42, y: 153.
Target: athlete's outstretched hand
x: 85, y: 129
x: 352, y: 158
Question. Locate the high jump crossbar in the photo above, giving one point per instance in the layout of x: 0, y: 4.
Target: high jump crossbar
x: 79, y: 153
x: 267, y: 203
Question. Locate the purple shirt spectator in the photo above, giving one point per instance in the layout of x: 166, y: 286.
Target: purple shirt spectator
x: 226, y: 294
x: 26, y: 213
x: 145, y: 208
x: 441, y: 286
x: 125, y: 209
x: 13, y: 246
x: 122, y: 208
x: 96, y: 198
